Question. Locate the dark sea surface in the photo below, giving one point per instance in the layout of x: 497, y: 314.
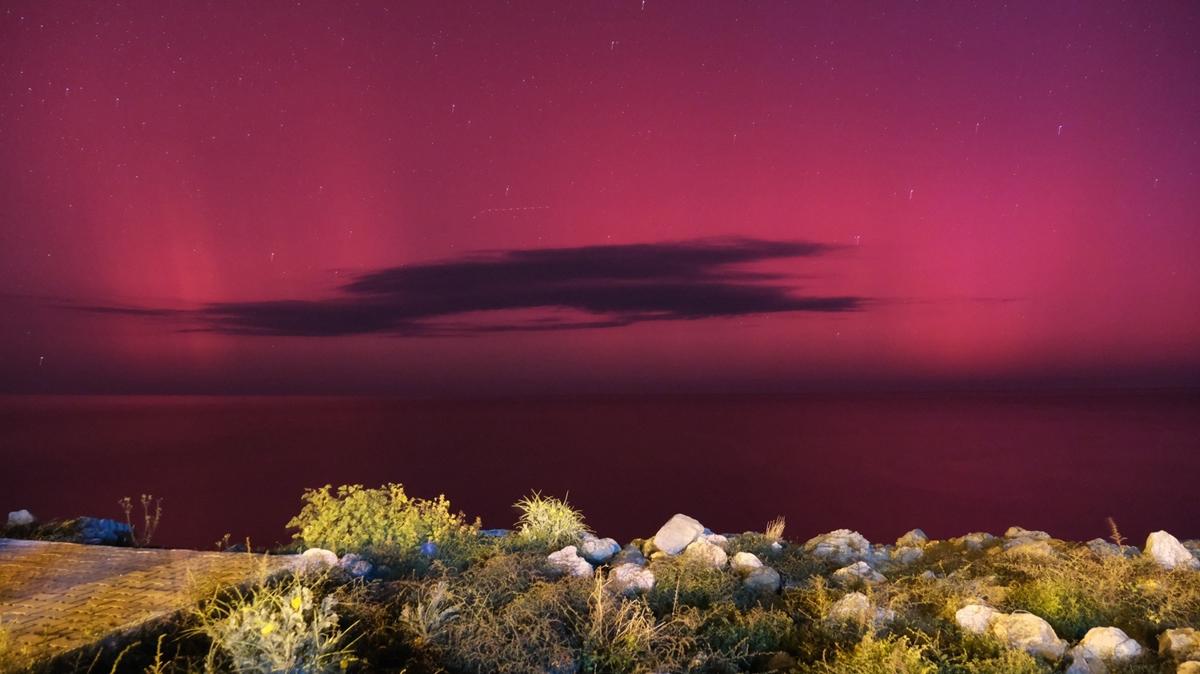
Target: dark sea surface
x: 881, y: 464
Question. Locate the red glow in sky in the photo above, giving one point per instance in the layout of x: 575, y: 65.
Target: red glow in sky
x: 1001, y: 193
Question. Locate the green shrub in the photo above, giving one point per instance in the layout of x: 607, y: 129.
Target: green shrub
x: 281, y: 627
x: 684, y: 581
x: 548, y: 522
x: 385, y: 524
x: 871, y: 655
x: 739, y: 636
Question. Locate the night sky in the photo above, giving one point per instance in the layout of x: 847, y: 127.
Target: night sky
x: 490, y: 198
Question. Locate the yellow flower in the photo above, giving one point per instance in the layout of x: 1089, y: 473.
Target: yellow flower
x: 268, y: 628
x: 296, y: 602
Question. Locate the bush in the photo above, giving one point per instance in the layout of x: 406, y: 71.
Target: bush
x: 548, y: 522
x: 683, y: 581
x: 385, y: 524
x: 281, y: 627
x: 892, y: 655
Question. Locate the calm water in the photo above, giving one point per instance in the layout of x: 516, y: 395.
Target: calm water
x: 879, y: 464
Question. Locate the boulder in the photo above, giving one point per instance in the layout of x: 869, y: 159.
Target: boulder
x: 975, y: 541
x: 567, y: 561
x: 745, y: 562
x: 975, y: 618
x: 316, y: 559
x: 913, y: 539
x: 1020, y: 533
x: 841, y: 546
x: 21, y: 518
x: 1108, y: 644
x: 1180, y: 644
x: 763, y: 579
x: 1103, y: 548
x: 858, y: 572
x: 1029, y: 633
x: 355, y: 565
x: 1029, y: 548
x: 856, y: 608
x: 630, y: 554
x: 907, y: 554
x: 598, y: 550
x: 677, y: 534
x: 706, y: 553
x: 1168, y: 552
x: 1100, y: 646
x: 719, y: 540
x: 630, y: 579
x: 1190, y: 667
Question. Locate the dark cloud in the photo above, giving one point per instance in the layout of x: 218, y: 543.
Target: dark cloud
x: 599, y: 286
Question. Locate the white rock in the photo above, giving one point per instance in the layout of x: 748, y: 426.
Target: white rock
x: 718, y: 540
x: 841, y: 546
x: 1168, y: 552
x: 569, y: 562
x: 630, y: 579
x: 907, y: 555
x: 763, y: 579
x: 976, y: 540
x: 975, y: 618
x: 745, y: 562
x: 856, y: 608
x: 677, y: 534
x: 1180, y: 644
x: 1020, y: 533
x: 860, y: 571
x: 315, y: 559
x: 1027, y: 632
x: 1102, y: 645
x: 598, y: 550
x: 20, y: 518
x: 1029, y: 548
x: 706, y: 553
x: 913, y: 539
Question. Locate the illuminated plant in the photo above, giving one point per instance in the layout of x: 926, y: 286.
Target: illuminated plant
x: 548, y: 521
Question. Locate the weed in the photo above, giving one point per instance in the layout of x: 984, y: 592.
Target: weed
x: 151, y: 516
x: 547, y: 522
x: 277, y: 627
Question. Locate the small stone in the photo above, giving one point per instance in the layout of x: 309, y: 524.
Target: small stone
x: 1190, y: 667
x: 706, y: 553
x: 1168, y: 552
x: 315, y: 559
x: 913, y: 539
x: 1029, y: 633
x: 841, y: 546
x: 21, y: 518
x: 975, y: 618
x: 745, y: 562
x: 598, y: 550
x: 630, y: 579
x: 1179, y: 644
x: 568, y: 561
x: 677, y: 534
x: 719, y: 540
x: 859, y: 571
x: 1109, y: 644
x: 763, y: 579
x: 1103, y: 548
